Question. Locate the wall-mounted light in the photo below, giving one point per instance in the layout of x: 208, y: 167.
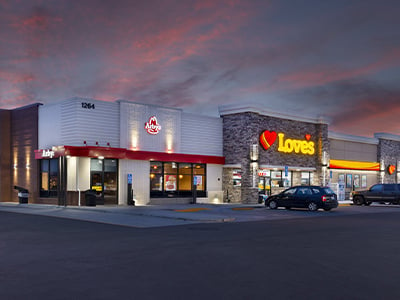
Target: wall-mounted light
x: 101, y: 157
x: 169, y: 141
x: 382, y: 170
x: 325, y: 160
x: 254, y: 152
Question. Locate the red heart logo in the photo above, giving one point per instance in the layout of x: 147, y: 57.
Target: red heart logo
x: 267, y: 138
x: 308, y: 137
x: 391, y: 169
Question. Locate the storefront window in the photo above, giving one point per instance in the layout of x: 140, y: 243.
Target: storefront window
x: 171, y: 179
x: 185, y: 177
x: 199, y: 171
x: 276, y: 179
x: 280, y: 180
x: 48, y: 177
x: 156, y: 177
x: 306, y: 178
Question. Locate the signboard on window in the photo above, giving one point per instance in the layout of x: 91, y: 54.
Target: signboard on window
x: 198, y: 180
x: 170, y: 182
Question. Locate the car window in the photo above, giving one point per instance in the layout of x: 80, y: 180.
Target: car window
x: 376, y: 188
x: 289, y: 192
x: 328, y: 190
x: 315, y: 190
x: 304, y: 191
x: 389, y: 188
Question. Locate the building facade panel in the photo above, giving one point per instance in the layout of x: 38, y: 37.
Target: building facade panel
x: 201, y: 135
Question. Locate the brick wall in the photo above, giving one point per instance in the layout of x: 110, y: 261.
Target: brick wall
x: 389, y: 152
x: 241, y: 130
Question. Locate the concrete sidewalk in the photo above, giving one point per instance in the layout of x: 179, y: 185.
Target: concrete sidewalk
x: 141, y: 216
x: 133, y: 216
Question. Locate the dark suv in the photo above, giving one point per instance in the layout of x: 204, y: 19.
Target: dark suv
x: 311, y: 197
x: 385, y: 193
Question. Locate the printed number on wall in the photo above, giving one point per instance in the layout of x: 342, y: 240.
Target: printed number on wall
x: 87, y: 105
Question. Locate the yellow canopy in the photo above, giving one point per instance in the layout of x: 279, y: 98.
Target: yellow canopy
x: 354, y: 165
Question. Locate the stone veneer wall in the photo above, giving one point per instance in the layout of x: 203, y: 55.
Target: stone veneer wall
x: 389, y: 152
x: 231, y: 193
x: 241, y: 130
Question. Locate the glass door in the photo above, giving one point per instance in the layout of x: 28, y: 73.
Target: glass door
x: 104, y: 180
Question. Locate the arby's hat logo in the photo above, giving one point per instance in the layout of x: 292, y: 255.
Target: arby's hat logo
x: 152, y: 125
x: 267, y: 139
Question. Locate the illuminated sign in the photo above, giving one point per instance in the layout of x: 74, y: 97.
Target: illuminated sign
x: 48, y: 153
x: 298, y: 146
x: 391, y: 169
x: 267, y: 139
x: 152, y: 125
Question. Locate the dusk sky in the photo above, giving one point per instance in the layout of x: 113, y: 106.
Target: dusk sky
x: 331, y: 58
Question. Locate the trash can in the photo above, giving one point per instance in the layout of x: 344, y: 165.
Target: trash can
x: 90, y: 197
x: 22, y: 194
x: 23, y: 197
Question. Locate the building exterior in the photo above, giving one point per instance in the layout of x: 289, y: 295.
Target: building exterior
x: 353, y: 163
x: 156, y: 154
x: 356, y: 163
x: 123, y: 151
x: 266, y: 152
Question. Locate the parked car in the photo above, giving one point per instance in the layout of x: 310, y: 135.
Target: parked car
x: 311, y: 197
x: 386, y: 193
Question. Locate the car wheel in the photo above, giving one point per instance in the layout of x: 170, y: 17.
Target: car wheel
x: 272, y: 204
x: 358, y: 200
x: 312, y: 206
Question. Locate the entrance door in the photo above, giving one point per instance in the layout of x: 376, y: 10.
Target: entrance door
x: 264, y: 185
x: 103, y: 179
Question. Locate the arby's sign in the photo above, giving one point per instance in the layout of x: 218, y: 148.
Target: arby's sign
x: 152, y: 126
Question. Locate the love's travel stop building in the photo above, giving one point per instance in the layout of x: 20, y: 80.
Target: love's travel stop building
x: 267, y: 152
x: 124, y: 152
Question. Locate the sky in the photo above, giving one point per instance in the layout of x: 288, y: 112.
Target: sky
x: 335, y: 59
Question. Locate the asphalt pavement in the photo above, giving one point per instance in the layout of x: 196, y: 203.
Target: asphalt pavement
x: 150, y: 215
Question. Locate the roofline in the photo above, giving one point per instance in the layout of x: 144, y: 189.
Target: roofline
x: 231, y: 109
x: 387, y: 136
x: 352, y: 138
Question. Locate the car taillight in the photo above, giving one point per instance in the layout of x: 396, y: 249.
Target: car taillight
x: 324, y: 198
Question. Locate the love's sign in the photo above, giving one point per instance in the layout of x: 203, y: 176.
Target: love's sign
x: 285, y: 145
x: 391, y: 169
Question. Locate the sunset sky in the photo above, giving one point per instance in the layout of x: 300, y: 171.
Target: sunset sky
x: 339, y: 59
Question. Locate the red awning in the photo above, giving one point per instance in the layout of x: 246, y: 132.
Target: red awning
x: 120, y: 153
